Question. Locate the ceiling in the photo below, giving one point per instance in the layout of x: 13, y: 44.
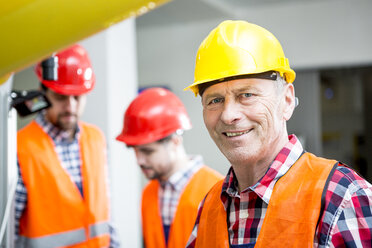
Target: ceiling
x: 180, y: 11
x: 183, y: 11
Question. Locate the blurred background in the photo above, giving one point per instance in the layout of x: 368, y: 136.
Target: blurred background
x: 328, y: 44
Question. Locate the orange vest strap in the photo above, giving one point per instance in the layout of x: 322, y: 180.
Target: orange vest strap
x: 185, y: 215
x: 212, y: 229
x: 193, y: 194
x: 294, y: 207
x: 151, y: 221
x: 292, y: 214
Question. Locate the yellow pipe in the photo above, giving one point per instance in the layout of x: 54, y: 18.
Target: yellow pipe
x: 34, y: 29
x: 4, y: 78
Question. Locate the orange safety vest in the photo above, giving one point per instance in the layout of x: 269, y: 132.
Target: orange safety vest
x: 184, y: 219
x: 56, y: 215
x: 292, y: 215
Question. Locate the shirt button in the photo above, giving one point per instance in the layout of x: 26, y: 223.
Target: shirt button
x: 244, y: 215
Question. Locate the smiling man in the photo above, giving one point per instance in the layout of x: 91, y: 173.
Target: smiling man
x: 275, y: 193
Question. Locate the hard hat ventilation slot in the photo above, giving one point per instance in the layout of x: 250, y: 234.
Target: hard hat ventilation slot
x: 50, y: 68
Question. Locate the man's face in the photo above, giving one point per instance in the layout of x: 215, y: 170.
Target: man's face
x: 246, y: 118
x: 156, y: 159
x: 65, y: 110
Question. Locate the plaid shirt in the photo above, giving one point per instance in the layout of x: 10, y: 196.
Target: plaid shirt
x: 171, y: 190
x: 69, y: 155
x: 346, y: 221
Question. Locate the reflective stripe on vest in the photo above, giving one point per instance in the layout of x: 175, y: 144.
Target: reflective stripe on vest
x: 292, y: 214
x: 184, y: 218
x: 99, y: 229
x: 55, y: 240
x: 65, y: 238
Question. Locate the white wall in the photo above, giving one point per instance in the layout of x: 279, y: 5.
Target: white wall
x: 313, y: 34
x: 113, y: 54
x: 320, y: 33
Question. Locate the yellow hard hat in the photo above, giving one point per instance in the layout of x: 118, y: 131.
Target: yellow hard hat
x: 236, y: 48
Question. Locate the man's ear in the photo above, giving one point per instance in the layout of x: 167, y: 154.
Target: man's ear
x: 289, y: 101
x: 177, y: 139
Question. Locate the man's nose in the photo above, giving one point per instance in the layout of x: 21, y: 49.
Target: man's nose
x: 231, y: 112
x: 140, y: 158
x: 71, y: 103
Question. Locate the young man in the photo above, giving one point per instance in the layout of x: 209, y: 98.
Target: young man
x: 62, y: 192
x: 275, y: 193
x: 153, y: 124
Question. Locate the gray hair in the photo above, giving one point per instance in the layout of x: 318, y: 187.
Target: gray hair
x: 279, y: 82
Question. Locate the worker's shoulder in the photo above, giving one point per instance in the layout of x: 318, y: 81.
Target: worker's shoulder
x: 84, y: 124
x: 151, y: 186
x: 205, y: 178
x: 92, y: 128
x: 28, y: 128
x: 209, y: 172
x: 346, y: 183
x: 347, y: 193
x: 27, y: 135
x: 348, y: 177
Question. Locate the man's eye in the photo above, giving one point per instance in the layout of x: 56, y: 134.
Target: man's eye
x: 147, y: 152
x: 247, y: 94
x: 215, y: 101
x: 60, y: 98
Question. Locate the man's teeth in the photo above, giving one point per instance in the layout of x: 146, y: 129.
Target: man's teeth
x: 235, y: 134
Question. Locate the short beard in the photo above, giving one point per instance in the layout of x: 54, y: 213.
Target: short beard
x: 155, y: 176
x: 66, y: 126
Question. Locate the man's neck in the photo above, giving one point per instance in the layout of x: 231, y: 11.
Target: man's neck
x: 70, y: 133
x: 249, y: 172
x: 181, y: 163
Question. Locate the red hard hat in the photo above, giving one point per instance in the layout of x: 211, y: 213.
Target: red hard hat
x: 155, y: 114
x: 75, y: 74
